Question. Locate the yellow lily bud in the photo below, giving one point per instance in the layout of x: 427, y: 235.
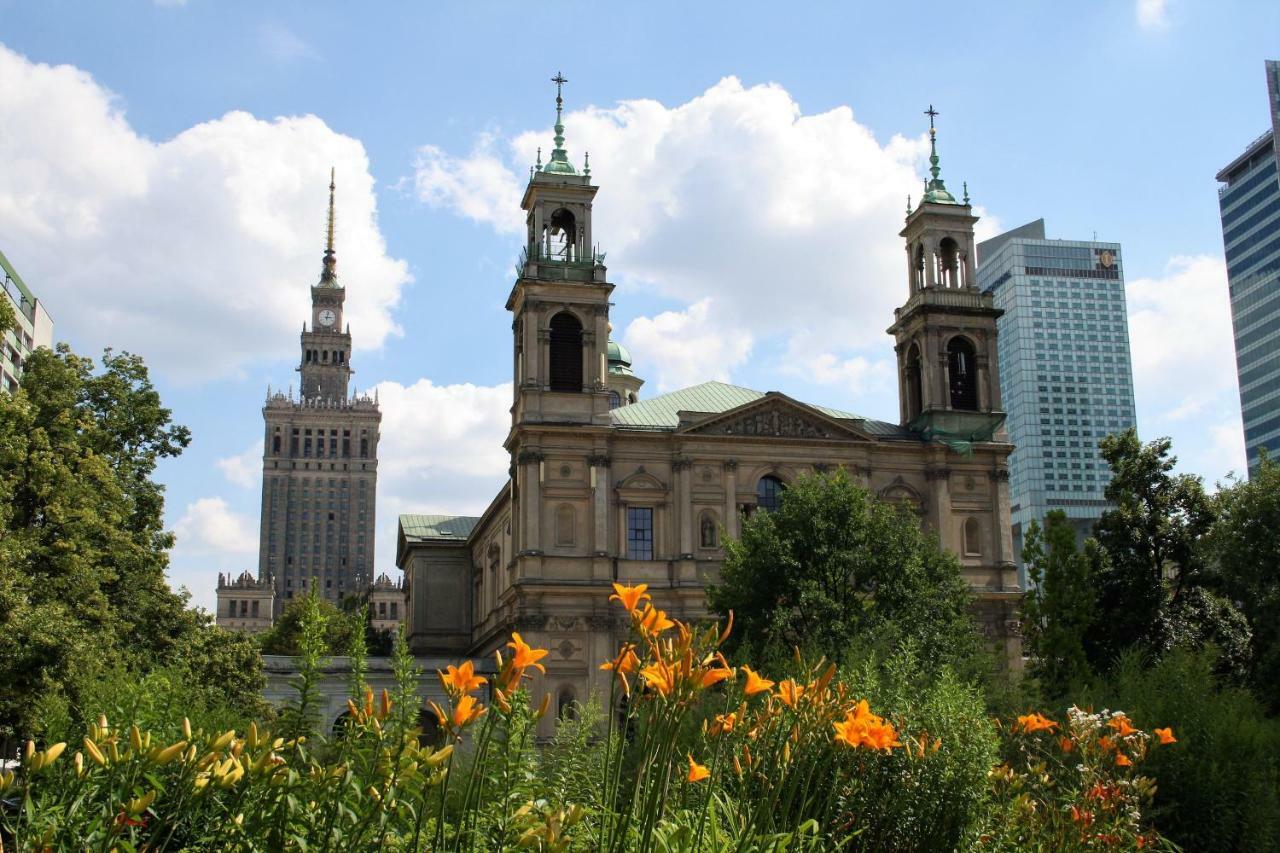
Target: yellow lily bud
x: 79, y: 763
x: 223, y: 740
x: 30, y: 750
x: 186, y: 728
x: 114, y: 751
x: 542, y: 709
x: 102, y: 722
x: 385, y: 708
x: 169, y: 753
x: 139, y: 805
x: 95, y: 753
x: 239, y: 819
x: 277, y: 743
x: 440, y: 756
x: 202, y: 781
x: 135, y: 738
x: 373, y: 792
x: 191, y: 753
x: 237, y: 748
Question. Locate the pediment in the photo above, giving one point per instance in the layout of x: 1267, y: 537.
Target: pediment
x: 777, y: 416
x: 642, y: 480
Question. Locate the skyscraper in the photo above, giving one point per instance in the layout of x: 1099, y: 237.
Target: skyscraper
x: 34, y: 329
x: 1065, y: 373
x: 320, y: 461
x: 1249, y: 201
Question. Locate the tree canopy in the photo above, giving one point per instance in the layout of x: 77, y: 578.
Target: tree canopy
x: 83, y: 549
x: 834, y: 567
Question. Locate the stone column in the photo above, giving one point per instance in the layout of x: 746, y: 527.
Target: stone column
x: 984, y: 383
x: 530, y: 462
x: 939, y: 477
x: 684, y: 495
x: 731, y: 497
x: 600, y: 504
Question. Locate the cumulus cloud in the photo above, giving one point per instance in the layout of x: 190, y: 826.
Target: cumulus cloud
x: 210, y: 526
x: 786, y: 223
x: 243, y: 469
x: 197, y: 251
x: 686, y: 347
x: 1184, y: 363
x: 1152, y: 14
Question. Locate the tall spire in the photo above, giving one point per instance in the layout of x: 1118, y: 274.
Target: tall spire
x: 559, y: 163
x: 329, y: 274
x: 935, y: 191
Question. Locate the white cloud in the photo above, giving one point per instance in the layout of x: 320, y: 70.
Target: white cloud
x: 196, y: 252
x: 857, y: 375
x: 284, y: 45
x: 243, y: 469
x: 441, y: 451
x: 1152, y: 14
x: 684, y: 348
x: 786, y: 223
x: 209, y: 526
x: 1184, y: 365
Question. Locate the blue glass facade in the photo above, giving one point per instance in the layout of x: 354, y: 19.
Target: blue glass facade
x: 1249, y: 201
x: 1065, y: 373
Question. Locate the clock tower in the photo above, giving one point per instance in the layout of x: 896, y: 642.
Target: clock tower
x: 326, y: 347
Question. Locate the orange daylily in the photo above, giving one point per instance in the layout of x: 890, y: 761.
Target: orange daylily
x: 461, y: 679
x: 697, y: 772
x: 653, y: 621
x: 630, y: 596
x: 1106, y: 743
x: 1035, y: 722
x: 465, y: 712
x: 660, y: 677
x: 724, y: 723
x: 1066, y: 744
x: 523, y: 656
x: 715, y: 676
x: 1165, y: 735
x: 755, y: 683
x: 789, y: 692
x: 860, y: 727
x: 1122, y: 760
x: 1122, y: 726
x: 623, y: 665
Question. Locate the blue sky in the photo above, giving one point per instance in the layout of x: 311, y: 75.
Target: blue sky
x: 163, y: 169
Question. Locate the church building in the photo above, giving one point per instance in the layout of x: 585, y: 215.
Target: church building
x: 607, y: 486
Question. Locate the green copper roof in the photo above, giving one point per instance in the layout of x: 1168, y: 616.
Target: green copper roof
x: 13, y: 276
x: 453, y: 528
x: 935, y: 190
x: 559, y: 163
x: 663, y: 411
x: 619, y: 358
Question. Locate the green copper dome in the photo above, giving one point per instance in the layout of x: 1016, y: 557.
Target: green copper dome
x: 619, y: 358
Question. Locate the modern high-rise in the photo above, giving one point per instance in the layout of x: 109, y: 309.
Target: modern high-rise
x: 1249, y: 200
x: 1065, y: 372
x: 320, y: 461
x: 34, y: 329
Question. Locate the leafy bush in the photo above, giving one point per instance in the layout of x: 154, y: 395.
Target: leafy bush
x: 1221, y: 789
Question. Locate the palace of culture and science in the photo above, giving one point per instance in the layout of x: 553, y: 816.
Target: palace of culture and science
x: 319, y: 477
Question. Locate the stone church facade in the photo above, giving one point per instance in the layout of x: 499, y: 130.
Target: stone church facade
x: 605, y: 486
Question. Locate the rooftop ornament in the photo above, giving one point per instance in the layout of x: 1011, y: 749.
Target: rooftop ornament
x: 559, y: 163
x: 935, y: 190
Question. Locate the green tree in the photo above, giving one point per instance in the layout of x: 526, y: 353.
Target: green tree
x: 834, y: 568
x: 1244, y: 546
x: 83, y: 549
x: 1058, y: 609
x: 1154, y: 590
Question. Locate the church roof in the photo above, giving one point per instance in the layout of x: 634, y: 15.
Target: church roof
x: 447, y: 527
x: 663, y: 411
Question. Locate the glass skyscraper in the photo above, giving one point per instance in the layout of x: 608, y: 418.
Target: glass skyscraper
x: 1249, y: 200
x: 1065, y: 373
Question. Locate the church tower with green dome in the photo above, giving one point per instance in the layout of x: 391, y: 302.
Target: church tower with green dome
x: 949, y: 384
x: 624, y: 385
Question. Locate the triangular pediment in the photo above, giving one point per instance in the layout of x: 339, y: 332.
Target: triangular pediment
x: 776, y: 415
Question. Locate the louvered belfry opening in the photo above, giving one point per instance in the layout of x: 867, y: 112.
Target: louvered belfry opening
x: 566, y: 353
x: 963, y: 372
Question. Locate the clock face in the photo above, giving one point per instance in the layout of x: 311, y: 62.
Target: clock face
x: 326, y: 317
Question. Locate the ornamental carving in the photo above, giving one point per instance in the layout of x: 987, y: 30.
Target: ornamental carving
x: 598, y: 460
x: 731, y: 465
x: 1000, y: 474
x: 527, y: 457
x: 681, y: 463
x: 941, y: 473
x: 773, y: 422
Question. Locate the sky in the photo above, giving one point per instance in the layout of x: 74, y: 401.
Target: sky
x: 164, y: 168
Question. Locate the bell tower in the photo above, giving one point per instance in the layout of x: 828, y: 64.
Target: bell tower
x: 560, y: 301
x: 326, y: 348
x: 945, y: 333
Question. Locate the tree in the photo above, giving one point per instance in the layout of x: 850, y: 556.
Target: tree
x: 83, y: 549
x: 1154, y: 592
x: 341, y: 623
x: 1058, y: 609
x: 835, y: 567
x: 1244, y: 547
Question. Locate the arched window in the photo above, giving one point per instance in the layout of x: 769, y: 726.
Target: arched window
x: 340, y: 724
x: 566, y: 353
x: 769, y: 493
x: 615, y: 399
x: 631, y: 397
x: 917, y: 264
x: 948, y: 263
x: 565, y: 524
x: 915, y: 396
x: 566, y: 705
x: 972, y: 538
x: 561, y: 233
x: 708, y: 533
x: 963, y: 372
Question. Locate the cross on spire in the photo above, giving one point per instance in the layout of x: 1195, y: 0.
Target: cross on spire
x: 931, y: 113
x: 559, y: 163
